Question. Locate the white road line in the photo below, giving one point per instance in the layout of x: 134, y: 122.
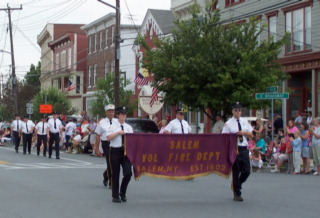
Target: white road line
x: 18, y: 166
x: 63, y: 158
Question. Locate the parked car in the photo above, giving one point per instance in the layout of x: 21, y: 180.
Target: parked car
x: 140, y: 125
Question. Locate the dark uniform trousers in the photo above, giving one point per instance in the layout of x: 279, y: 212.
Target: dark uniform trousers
x: 240, y: 169
x: 42, y: 138
x: 106, y: 151
x: 17, y: 139
x: 118, y: 159
x: 27, y: 139
x: 54, y: 137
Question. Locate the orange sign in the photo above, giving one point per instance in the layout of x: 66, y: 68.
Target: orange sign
x: 45, y: 108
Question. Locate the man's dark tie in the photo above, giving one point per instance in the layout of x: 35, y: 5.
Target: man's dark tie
x: 122, y: 137
x: 110, y: 122
x: 182, y: 127
x: 55, y: 125
x: 17, y: 125
x: 240, y: 136
x: 42, y: 127
x: 27, y: 127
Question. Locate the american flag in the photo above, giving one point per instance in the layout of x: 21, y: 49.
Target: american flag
x: 71, y: 86
x: 140, y: 80
x: 154, y: 96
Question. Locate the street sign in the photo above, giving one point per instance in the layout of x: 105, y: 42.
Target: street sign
x: 272, y: 95
x: 29, y: 104
x: 272, y: 89
x: 29, y: 110
x: 45, y: 108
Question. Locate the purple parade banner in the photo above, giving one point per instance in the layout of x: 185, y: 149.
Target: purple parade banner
x: 181, y: 156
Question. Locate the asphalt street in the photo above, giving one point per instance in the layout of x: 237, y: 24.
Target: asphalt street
x: 37, y: 187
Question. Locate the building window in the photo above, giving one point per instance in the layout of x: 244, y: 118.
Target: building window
x: 113, y: 66
x: 57, y: 61
x: 69, y: 57
x: 273, y: 28
x: 215, y: 4
x: 232, y: 2
x: 78, y: 84
x: 100, y: 41
x: 94, y: 75
x: 258, y: 27
x: 112, y: 36
x: 106, y: 69
x: 298, y: 26
x: 89, y: 45
x: 107, y: 41
x: 89, y: 77
x: 63, y: 59
x: 95, y: 43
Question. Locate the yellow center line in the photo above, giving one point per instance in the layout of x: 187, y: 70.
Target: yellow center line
x: 4, y: 162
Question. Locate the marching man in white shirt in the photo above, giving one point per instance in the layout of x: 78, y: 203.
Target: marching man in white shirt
x: 15, y: 131
x: 55, y: 134
x: 117, y: 157
x: 27, y: 132
x: 178, y: 125
x: 241, y: 166
x: 41, y: 135
x: 101, y: 136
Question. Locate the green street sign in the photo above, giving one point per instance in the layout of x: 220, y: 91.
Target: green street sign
x: 272, y: 95
x: 272, y: 89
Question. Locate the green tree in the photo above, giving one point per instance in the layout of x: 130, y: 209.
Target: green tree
x: 60, y: 102
x: 208, y: 64
x: 32, y: 77
x: 105, y: 95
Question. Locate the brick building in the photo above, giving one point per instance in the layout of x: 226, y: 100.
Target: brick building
x: 50, y: 33
x: 101, y: 53
x: 69, y: 58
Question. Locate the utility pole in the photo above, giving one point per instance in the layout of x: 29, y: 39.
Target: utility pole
x: 117, y: 50
x: 117, y: 55
x: 14, y: 79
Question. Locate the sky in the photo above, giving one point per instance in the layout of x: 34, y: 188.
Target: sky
x: 35, y: 14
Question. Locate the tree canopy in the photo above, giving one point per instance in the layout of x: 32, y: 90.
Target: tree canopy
x: 105, y: 95
x: 26, y: 90
x: 208, y: 64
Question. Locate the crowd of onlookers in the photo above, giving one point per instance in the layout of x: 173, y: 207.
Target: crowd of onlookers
x: 293, y: 146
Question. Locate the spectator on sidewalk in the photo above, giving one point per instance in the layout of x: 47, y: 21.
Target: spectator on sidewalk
x: 218, y: 125
x: 315, y: 133
x: 256, y: 160
x: 285, y: 157
x: 290, y: 128
x: 296, y: 148
x: 305, y: 152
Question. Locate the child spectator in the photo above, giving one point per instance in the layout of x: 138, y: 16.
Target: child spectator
x: 256, y: 160
x: 76, y: 141
x: 287, y: 156
x: 296, y: 148
x: 260, y: 143
x: 289, y: 151
x: 280, y: 149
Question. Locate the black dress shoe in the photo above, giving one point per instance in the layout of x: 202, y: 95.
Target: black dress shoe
x: 58, y: 158
x: 29, y: 152
x: 237, y: 198
x: 24, y: 152
x: 105, y: 182
x: 123, y: 197
x: 116, y: 200
x: 49, y: 157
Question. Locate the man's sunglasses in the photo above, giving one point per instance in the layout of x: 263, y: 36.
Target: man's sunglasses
x: 237, y: 110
